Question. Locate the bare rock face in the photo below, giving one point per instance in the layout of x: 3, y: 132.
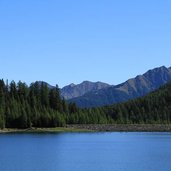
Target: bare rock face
x: 132, y: 88
x: 73, y: 91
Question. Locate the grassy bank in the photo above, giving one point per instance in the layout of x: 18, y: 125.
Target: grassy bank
x: 44, y: 130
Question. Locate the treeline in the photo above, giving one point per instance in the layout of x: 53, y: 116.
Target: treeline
x: 154, y: 108
x: 23, y: 106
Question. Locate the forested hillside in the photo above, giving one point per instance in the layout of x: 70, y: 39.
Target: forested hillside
x: 38, y: 106
x: 153, y: 108
x: 23, y: 106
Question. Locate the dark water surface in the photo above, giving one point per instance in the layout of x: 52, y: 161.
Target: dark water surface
x: 86, y: 152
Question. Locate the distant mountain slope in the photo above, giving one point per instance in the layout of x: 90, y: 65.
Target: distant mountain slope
x: 133, y: 88
x: 72, y: 90
x: 154, y: 108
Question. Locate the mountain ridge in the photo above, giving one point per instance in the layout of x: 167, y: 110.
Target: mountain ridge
x: 132, y: 88
x: 96, y: 94
x: 73, y: 90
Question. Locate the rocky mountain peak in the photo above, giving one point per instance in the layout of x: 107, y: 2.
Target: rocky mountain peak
x: 73, y: 91
x: 132, y: 88
x: 71, y: 85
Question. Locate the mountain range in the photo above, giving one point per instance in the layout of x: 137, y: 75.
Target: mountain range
x: 95, y: 94
x: 107, y: 94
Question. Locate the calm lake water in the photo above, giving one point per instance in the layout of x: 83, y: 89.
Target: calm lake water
x: 86, y: 152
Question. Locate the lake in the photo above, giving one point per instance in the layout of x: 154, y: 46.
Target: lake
x: 86, y: 152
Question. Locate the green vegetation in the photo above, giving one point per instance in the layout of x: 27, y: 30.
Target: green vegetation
x: 38, y: 106
x: 45, y: 130
x: 154, y: 108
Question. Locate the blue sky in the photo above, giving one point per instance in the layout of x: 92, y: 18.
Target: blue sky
x: 64, y: 41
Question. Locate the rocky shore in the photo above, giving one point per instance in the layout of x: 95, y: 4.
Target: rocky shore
x: 124, y: 127
x: 95, y: 128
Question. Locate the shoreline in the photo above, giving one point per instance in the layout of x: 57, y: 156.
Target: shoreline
x: 124, y: 127
x: 95, y: 128
x: 42, y: 130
